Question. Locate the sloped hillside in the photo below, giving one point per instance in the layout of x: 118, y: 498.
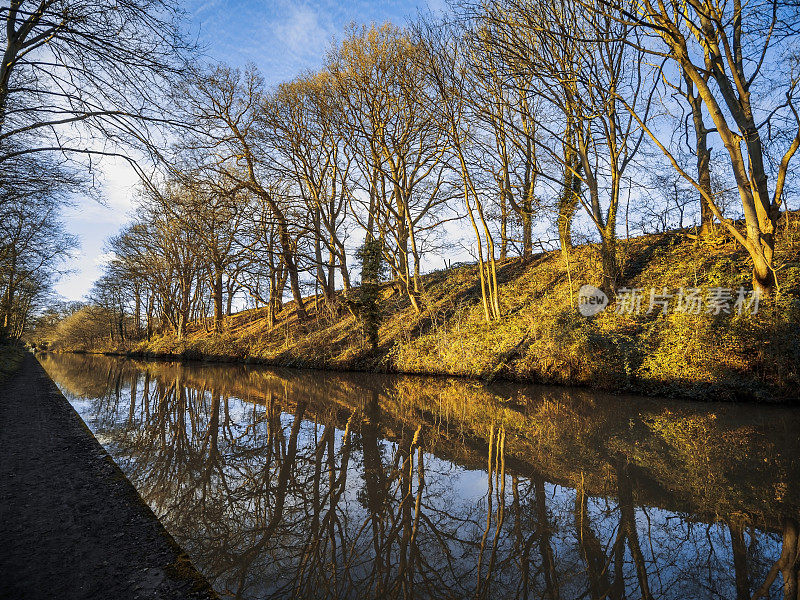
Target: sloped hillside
x: 542, y: 337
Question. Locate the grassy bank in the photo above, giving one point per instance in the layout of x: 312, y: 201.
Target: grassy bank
x: 542, y: 337
x: 11, y: 356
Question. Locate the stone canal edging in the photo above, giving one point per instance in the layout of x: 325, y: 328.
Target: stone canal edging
x: 71, y: 524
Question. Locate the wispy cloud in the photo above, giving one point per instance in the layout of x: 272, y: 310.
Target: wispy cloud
x: 104, y: 258
x: 303, y: 32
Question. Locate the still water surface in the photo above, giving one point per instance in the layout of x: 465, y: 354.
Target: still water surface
x: 303, y: 484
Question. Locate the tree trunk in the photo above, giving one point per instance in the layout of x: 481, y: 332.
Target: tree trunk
x: 739, y: 548
x: 608, y: 253
x: 137, y: 313
x: 568, y: 201
x: 331, y: 272
x: 294, y: 276
x: 8, y: 300
x: 345, y: 276
x: 527, y: 233
x: 216, y: 286
x: 545, y: 547
x: 628, y: 525
x: 121, y: 325
x: 182, y: 318
x: 703, y: 159
x: 787, y: 564
x: 763, y: 272
x: 322, y: 277
x: 150, y: 308
x: 590, y: 548
x: 504, y: 227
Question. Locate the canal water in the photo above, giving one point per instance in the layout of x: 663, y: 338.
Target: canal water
x: 307, y: 484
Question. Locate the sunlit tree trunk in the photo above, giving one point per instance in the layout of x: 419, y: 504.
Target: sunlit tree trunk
x: 703, y: 158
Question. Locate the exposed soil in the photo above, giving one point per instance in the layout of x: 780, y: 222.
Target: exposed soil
x: 71, y: 524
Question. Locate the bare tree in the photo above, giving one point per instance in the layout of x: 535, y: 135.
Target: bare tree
x: 503, y: 106
x: 579, y: 63
x: 33, y: 244
x: 445, y: 67
x: 309, y: 148
x: 173, y: 263
x: 213, y: 216
x: 228, y: 108
x: 739, y: 60
x: 395, y: 142
x: 72, y: 67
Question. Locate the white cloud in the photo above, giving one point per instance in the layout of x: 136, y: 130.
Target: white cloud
x: 94, y: 223
x: 302, y: 33
x: 104, y: 258
x: 119, y: 185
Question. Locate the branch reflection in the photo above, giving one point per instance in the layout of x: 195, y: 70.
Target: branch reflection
x: 315, y: 485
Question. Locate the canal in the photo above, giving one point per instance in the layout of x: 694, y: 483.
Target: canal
x: 304, y: 484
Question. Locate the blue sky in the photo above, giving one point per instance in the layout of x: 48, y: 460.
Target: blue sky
x: 281, y: 38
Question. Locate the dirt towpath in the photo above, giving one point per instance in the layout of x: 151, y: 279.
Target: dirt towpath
x: 71, y: 524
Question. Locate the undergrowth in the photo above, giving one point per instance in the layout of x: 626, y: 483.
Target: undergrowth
x: 11, y: 356
x: 542, y: 337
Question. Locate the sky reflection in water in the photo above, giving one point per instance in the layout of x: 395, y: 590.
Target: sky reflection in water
x: 283, y: 483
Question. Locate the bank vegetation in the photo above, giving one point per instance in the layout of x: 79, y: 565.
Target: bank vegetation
x: 627, y: 145
x: 541, y: 337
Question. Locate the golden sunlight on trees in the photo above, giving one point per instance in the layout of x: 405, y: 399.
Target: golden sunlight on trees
x: 394, y: 141
x: 506, y: 127
x: 596, y: 193
x: 742, y: 63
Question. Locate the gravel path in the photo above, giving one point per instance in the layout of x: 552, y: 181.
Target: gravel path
x: 71, y: 524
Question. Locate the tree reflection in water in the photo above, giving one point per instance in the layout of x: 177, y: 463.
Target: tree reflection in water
x: 301, y: 484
